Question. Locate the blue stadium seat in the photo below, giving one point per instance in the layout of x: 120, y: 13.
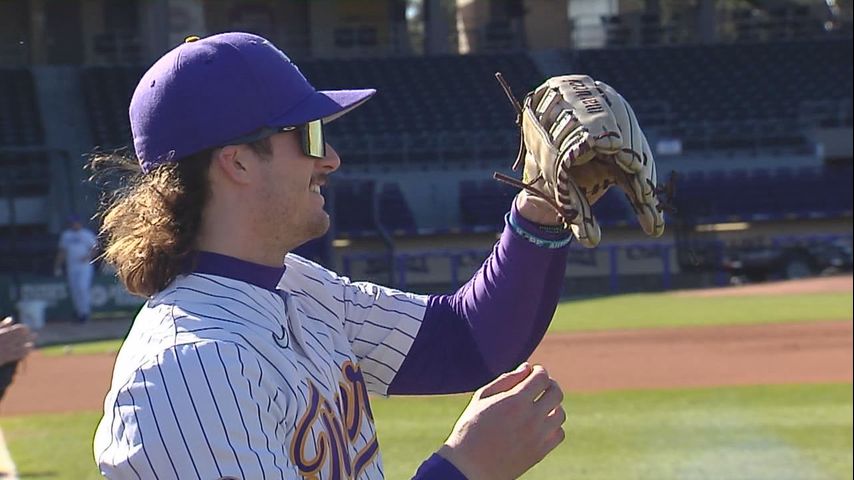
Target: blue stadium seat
x: 754, y: 92
x: 395, y: 213
x: 107, y: 92
x: 20, y: 121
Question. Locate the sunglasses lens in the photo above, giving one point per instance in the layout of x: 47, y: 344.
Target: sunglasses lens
x: 313, y: 142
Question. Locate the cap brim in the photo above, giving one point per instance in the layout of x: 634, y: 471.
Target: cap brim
x: 328, y: 105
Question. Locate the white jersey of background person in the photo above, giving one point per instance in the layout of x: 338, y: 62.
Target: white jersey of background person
x: 77, y: 245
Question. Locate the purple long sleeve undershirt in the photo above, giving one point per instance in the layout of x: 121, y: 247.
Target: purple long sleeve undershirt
x: 492, y: 323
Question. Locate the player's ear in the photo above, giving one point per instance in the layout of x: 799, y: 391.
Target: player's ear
x: 231, y: 164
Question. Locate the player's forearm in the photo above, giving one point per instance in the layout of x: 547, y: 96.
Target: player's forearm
x: 491, y: 324
x: 509, y: 303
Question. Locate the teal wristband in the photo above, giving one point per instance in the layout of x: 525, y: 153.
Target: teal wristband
x: 540, y: 242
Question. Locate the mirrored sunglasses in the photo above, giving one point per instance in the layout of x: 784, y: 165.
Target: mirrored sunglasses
x: 312, y: 137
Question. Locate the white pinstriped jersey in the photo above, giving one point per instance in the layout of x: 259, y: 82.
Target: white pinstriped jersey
x: 220, y: 378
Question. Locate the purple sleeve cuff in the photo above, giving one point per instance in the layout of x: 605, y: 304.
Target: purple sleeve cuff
x: 490, y: 325
x: 437, y: 468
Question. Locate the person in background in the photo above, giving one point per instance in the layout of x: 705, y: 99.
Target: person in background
x: 77, y: 249
x: 16, y: 341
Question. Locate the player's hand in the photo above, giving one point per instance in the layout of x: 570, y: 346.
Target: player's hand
x: 509, y: 426
x: 57, y: 272
x: 16, y: 341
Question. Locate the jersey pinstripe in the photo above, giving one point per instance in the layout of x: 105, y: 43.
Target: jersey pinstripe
x: 220, y: 378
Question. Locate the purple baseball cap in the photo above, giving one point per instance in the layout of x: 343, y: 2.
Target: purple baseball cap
x: 208, y: 92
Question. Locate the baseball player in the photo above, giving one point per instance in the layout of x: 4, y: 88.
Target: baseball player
x: 251, y: 362
x: 77, y: 247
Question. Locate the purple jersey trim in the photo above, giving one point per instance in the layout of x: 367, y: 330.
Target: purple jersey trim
x: 229, y: 267
x: 437, y: 468
x: 490, y: 325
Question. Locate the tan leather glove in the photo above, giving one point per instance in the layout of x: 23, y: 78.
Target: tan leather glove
x: 580, y: 138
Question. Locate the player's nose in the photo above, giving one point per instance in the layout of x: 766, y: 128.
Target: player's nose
x: 330, y: 162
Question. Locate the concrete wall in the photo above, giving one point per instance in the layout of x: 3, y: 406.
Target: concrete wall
x: 547, y: 24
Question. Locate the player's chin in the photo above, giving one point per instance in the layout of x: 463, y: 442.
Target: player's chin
x: 319, y: 225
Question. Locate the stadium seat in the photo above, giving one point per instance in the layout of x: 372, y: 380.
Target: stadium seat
x: 751, y: 94
x: 428, y: 103
x: 20, y: 121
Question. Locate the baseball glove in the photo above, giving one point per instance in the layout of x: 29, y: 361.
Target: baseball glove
x: 580, y: 138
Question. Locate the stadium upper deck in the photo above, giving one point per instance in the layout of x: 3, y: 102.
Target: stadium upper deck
x: 764, y: 82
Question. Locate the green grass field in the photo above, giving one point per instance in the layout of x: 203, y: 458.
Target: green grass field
x: 644, y: 311
x: 756, y: 433
x: 799, y: 432
x: 85, y: 348
x: 667, y: 310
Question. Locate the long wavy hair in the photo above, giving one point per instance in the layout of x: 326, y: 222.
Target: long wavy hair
x: 150, y: 221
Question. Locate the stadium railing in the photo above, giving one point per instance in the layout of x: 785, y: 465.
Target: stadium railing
x: 614, y: 269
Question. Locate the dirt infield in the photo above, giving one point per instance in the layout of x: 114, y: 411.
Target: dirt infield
x: 659, y: 358
x: 582, y: 362
x: 812, y: 352
x: 835, y: 284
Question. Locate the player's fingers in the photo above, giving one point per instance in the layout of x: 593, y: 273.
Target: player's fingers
x: 552, y: 440
x: 532, y: 386
x: 555, y: 419
x: 505, y: 381
x: 550, y: 399
x: 25, y: 330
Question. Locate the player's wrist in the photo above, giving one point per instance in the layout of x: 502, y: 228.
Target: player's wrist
x: 542, y: 235
x: 536, y: 210
x: 452, y: 454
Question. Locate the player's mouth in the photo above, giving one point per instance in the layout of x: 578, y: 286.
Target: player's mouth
x: 315, y: 183
x: 314, y: 187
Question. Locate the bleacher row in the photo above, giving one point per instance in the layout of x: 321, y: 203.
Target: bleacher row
x: 722, y: 97
x: 427, y: 94
x: 442, y: 111
x: 763, y: 194
x: 20, y: 122
x: 424, y: 98
x: 24, y: 174
x: 723, y: 83
x: 701, y: 197
x: 711, y: 97
x: 29, y: 250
